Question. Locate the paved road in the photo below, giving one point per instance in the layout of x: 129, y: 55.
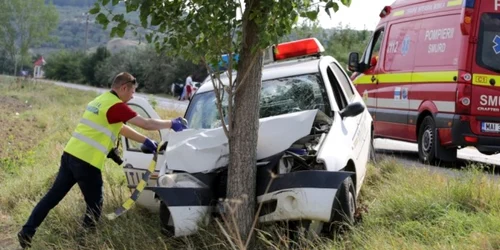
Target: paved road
x: 407, y: 154
x: 404, y: 152
x: 162, y: 101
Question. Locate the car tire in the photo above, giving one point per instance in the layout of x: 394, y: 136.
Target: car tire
x: 344, y: 208
x: 426, y: 142
x: 167, y: 227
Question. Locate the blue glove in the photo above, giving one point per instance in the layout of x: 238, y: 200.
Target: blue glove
x: 150, y: 144
x: 179, y: 124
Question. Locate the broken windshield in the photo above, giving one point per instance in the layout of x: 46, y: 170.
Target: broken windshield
x: 278, y: 96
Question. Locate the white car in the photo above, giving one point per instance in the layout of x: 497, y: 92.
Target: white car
x: 315, y: 133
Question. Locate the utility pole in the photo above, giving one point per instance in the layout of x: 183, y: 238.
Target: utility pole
x: 86, y: 30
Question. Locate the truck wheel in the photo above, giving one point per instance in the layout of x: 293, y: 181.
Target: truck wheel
x: 167, y: 224
x: 344, y: 208
x: 426, y: 147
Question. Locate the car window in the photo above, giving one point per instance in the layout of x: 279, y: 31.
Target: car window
x: 278, y: 96
x: 132, y: 145
x: 343, y: 80
x: 338, y: 93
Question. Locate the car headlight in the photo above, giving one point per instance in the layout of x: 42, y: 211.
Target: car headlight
x: 181, y: 180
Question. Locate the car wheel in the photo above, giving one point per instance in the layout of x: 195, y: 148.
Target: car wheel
x: 426, y: 145
x: 167, y: 224
x: 344, y: 208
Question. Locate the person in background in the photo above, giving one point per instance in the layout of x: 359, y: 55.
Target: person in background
x: 188, y: 88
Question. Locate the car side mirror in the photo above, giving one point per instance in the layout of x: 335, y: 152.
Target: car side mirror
x: 353, y: 61
x: 352, y: 110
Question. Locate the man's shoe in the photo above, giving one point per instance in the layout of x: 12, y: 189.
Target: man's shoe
x: 24, y: 240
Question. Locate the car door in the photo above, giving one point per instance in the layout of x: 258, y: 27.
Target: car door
x: 342, y: 100
x: 135, y: 161
x: 357, y: 123
x: 349, y: 126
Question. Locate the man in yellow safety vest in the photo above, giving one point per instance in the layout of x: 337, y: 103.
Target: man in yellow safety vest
x: 89, y: 146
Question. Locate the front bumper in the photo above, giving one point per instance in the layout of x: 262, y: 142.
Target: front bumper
x: 303, y: 195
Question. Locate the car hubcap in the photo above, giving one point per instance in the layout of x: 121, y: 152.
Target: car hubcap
x: 427, y: 140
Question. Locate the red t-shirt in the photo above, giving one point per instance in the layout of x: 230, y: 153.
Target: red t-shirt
x: 120, y: 112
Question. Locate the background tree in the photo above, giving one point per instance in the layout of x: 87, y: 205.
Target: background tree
x: 91, y: 63
x: 344, y: 40
x: 24, y: 24
x: 65, y: 66
x: 206, y: 29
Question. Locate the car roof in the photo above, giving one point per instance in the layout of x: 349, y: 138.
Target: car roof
x: 274, y: 70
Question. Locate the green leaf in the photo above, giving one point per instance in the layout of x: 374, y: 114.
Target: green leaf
x: 115, y: 2
x: 123, y: 25
x: 102, y: 19
x: 120, y: 32
x: 105, y: 2
x: 148, y: 37
x: 155, y: 19
x: 312, y: 14
x: 131, y: 7
x: 113, y: 32
x: 295, y: 18
x: 331, y: 4
x: 346, y: 2
x: 96, y: 9
x: 144, y: 22
x: 163, y: 28
x: 335, y: 7
x: 118, y: 18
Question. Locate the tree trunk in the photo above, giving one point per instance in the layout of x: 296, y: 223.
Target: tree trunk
x: 245, y: 125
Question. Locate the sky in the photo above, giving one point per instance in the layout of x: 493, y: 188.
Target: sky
x: 361, y: 13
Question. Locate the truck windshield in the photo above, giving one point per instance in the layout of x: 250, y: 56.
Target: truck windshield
x: 278, y: 96
x: 488, y: 49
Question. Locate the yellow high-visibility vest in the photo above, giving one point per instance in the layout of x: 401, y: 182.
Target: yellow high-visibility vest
x: 94, y: 137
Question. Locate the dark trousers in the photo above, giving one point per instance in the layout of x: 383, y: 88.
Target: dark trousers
x: 71, y: 171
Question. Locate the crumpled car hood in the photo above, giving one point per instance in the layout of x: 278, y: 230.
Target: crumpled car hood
x: 205, y: 150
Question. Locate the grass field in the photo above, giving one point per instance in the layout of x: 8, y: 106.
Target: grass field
x: 402, y: 207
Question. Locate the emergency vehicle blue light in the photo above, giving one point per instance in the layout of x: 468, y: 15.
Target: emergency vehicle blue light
x: 224, y: 63
x: 469, y: 3
x: 225, y: 59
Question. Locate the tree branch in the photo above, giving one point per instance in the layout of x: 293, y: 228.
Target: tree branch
x: 217, y: 95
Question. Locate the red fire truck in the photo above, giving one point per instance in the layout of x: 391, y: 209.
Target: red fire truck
x: 430, y: 74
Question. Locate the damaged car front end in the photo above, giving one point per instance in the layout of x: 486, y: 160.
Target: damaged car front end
x: 296, y: 178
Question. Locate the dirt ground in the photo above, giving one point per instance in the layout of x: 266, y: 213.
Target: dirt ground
x: 15, y: 131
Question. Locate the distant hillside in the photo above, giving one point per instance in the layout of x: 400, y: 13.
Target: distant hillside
x: 73, y: 21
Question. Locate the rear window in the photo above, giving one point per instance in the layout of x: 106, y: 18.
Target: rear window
x: 488, y: 48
